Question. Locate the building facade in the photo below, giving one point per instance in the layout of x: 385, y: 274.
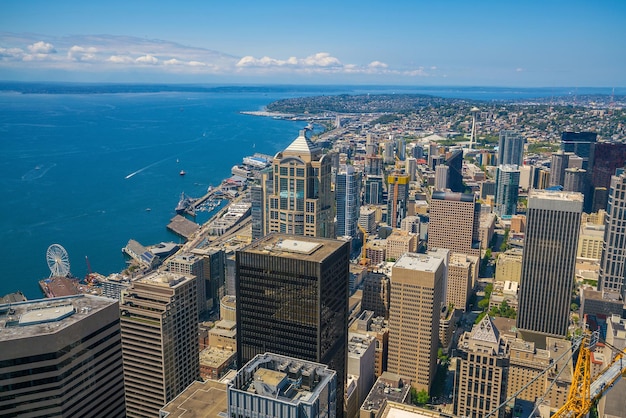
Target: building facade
x: 398, y: 198
x: 507, y: 190
x: 511, y: 148
x: 548, y: 263
x: 159, y: 340
x: 454, y: 222
x: 292, y: 299
x: 301, y: 200
x: 417, y: 293
x: 612, y: 265
x: 61, y: 357
x: 348, y: 195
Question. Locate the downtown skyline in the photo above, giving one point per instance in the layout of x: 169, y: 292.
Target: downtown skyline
x: 538, y: 44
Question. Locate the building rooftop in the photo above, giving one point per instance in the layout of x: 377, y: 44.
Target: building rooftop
x: 292, y: 246
x: 215, y: 357
x: 47, y: 316
x: 164, y: 278
x: 419, y: 262
x: 284, y: 378
x: 200, y: 400
x: 388, y: 387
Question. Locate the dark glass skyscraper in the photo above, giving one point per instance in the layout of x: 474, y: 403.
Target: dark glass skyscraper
x: 548, y: 263
x: 580, y: 143
x: 292, y: 299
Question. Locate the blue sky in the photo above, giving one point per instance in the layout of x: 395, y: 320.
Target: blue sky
x: 483, y: 43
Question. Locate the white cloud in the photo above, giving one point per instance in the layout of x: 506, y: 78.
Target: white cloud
x: 321, y: 59
x: 196, y: 64
x: 377, y: 64
x: 120, y: 59
x: 79, y: 53
x: 11, y: 53
x: 41, y: 47
x: 147, y: 59
x: 519, y: 70
x: 173, y: 61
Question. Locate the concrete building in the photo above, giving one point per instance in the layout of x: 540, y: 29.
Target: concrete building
x: 558, y: 164
x: 454, y: 222
x: 400, y: 242
x: 462, y: 274
x: 276, y: 386
x: 509, y: 266
x: 611, y: 405
x: 441, y: 177
x: 224, y: 335
x: 348, y: 195
x: 507, y: 190
x: 376, y: 291
x: 486, y: 229
x: 361, y: 356
x: 228, y: 308
x: 574, y: 179
x: 376, y: 251
x: 374, y: 185
x: 482, y: 372
x: 613, y: 263
x: 200, y: 399
x: 298, y: 306
x: 417, y: 294
x: 548, y: 263
x: 511, y: 148
x: 389, y: 387
x: 301, y: 202
x: 216, y: 362
x: 590, y: 241
x: 61, y: 357
x: 159, y: 340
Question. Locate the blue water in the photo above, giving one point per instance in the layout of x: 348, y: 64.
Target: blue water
x: 81, y: 170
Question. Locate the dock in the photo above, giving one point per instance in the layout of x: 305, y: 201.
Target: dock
x: 182, y: 226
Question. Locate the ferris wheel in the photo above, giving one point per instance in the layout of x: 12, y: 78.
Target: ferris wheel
x: 58, y: 261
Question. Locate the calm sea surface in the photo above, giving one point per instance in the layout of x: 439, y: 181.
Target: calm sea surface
x: 81, y: 170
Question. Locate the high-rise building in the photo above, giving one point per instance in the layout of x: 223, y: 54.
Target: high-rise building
x: 61, y: 357
x: 507, y: 190
x: 548, y: 263
x: 579, y: 143
x: 454, y: 222
x: 159, y: 340
x: 454, y: 161
x: 348, y: 195
x: 483, y: 370
x: 605, y: 159
x: 574, y: 180
x: 510, y: 148
x: 462, y: 273
x: 301, y: 201
x: 558, y: 164
x: 292, y: 299
x: 398, y: 198
x: 259, y: 204
x: 374, y: 190
x: 273, y: 385
x: 613, y: 264
x: 441, y: 177
x: 417, y: 293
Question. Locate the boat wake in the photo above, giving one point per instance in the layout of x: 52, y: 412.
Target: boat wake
x: 38, y: 172
x: 145, y: 168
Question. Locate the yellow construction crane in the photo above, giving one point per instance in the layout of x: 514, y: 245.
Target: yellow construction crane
x: 584, y: 393
x: 364, y: 260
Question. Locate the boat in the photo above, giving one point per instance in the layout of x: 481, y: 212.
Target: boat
x: 185, y: 204
x: 182, y: 172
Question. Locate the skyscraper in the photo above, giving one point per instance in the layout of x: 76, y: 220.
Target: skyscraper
x: 613, y: 263
x: 398, y: 198
x: 61, y: 357
x: 417, y: 293
x: 374, y: 190
x: 511, y: 148
x: 301, y: 201
x: 558, y: 164
x: 292, y: 299
x: 454, y: 222
x: 507, y: 190
x: 159, y: 340
x: 548, y: 263
x: 348, y: 194
x: 579, y: 143
x: 574, y: 180
x: 454, y: 161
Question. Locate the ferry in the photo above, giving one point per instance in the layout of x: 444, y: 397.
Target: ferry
x: 182, y: 172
